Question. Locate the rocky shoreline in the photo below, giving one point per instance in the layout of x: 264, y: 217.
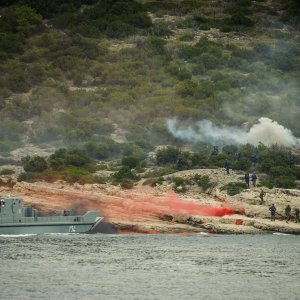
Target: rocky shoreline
x: 146, y: 209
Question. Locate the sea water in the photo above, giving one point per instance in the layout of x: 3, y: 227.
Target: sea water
x: 150, y: 267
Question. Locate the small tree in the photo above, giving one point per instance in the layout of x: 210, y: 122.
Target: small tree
x: 130, y: 161
x: 124, y: 173
x: 168, y: 155
x: 35, y: 164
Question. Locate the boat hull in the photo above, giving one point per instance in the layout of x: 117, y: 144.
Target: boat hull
x: 17, y: 219
x: 45, y: 228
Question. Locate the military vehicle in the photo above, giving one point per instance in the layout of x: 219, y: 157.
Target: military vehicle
x: 17, y: 219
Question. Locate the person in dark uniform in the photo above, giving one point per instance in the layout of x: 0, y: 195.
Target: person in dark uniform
x: 261, y: 196
x: 291, y: 160
x: 297, y: 215
x: 288, y: 213
x: 247, y: 179
x: 215, y: 151
x: 253, y: 179
x: 272, y: 209
x: 227, y: 166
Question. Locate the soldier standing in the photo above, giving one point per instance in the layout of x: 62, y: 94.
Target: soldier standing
x: 261, y: 196
x: 288, y: 213
x: 215, y: 151
x: 227, y: 166
x: 247, y: 179
x: 272, y: 209
x: 254, y: 178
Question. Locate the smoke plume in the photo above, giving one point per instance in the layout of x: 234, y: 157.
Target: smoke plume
x: 266, y: 131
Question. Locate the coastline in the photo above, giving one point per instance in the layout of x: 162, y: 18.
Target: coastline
x: 146, y: 209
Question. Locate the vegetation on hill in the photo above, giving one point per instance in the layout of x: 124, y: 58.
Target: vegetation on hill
x: 72, y: 72
x: 278, y: 166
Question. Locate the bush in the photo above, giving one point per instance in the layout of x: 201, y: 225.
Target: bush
x: 22, y: 20
x: 155, y: 45
x: 234, y: 188
x: 28, y: 176
x: 240, y: 19
x: 76, y: 174
x: 130, y: 161
x: 7, y: 172
x: 168, y: 155
x: 242, y: 164
x: 217, y: 160
x: 118, y: 29
x: 179, y: 184
x: 124, y: 173
x: 286, y: 182
x: 203, y: 181
x: 127, y: 184
x: 36, y: 164
x: 268, y: 182
x: 187, y: 37
x: 71, y: 157
x: 7, y: 146
x: 198, y: 160
x: 186, y: 88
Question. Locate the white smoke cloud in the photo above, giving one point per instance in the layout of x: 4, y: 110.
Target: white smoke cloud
x: 265, y: 131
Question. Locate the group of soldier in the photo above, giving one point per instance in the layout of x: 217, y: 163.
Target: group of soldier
x: 247, y: 177
x: 287, y: 211
x: 272, y: 208
x: 253, y: 178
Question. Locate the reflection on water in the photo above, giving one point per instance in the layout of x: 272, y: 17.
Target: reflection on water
x: 150, y: 267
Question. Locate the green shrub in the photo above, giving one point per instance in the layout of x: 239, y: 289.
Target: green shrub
x: 27, y: 176
x: 130, y: 161
x: 35, y: 163
x: 234, y: 188
x: 127, y: 184
x: 69, y: 157
x: 22, y: 20
x: 155, y: 45
x: 242, y: 164
x: 7, y: 146
x: 240, y: 19
x: 118, y: 29
x: 287, y: 182
x: 76, y: 174
x: 186, y: 88
x: 179, y: 184
x: 203, y: 181
x: 217, y: 160
x: 268, y: 182
x: 277, y: 171
x: 167, y: 155
x: 124, y: 173
x: 187, y: 37
x: 198, y: 160
x: 204, y: 26
x: 161, y: 29
x: 7, y: 172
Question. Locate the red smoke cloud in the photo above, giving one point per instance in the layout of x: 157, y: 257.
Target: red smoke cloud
x: 139, y: 207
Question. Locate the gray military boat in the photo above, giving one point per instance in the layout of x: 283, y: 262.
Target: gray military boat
x: 16, y: 219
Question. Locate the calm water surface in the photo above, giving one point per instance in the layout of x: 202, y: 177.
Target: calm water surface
x: 150, y: 267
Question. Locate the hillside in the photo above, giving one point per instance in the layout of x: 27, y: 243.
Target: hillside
x: 78, y: 71
x: 130, y: 95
